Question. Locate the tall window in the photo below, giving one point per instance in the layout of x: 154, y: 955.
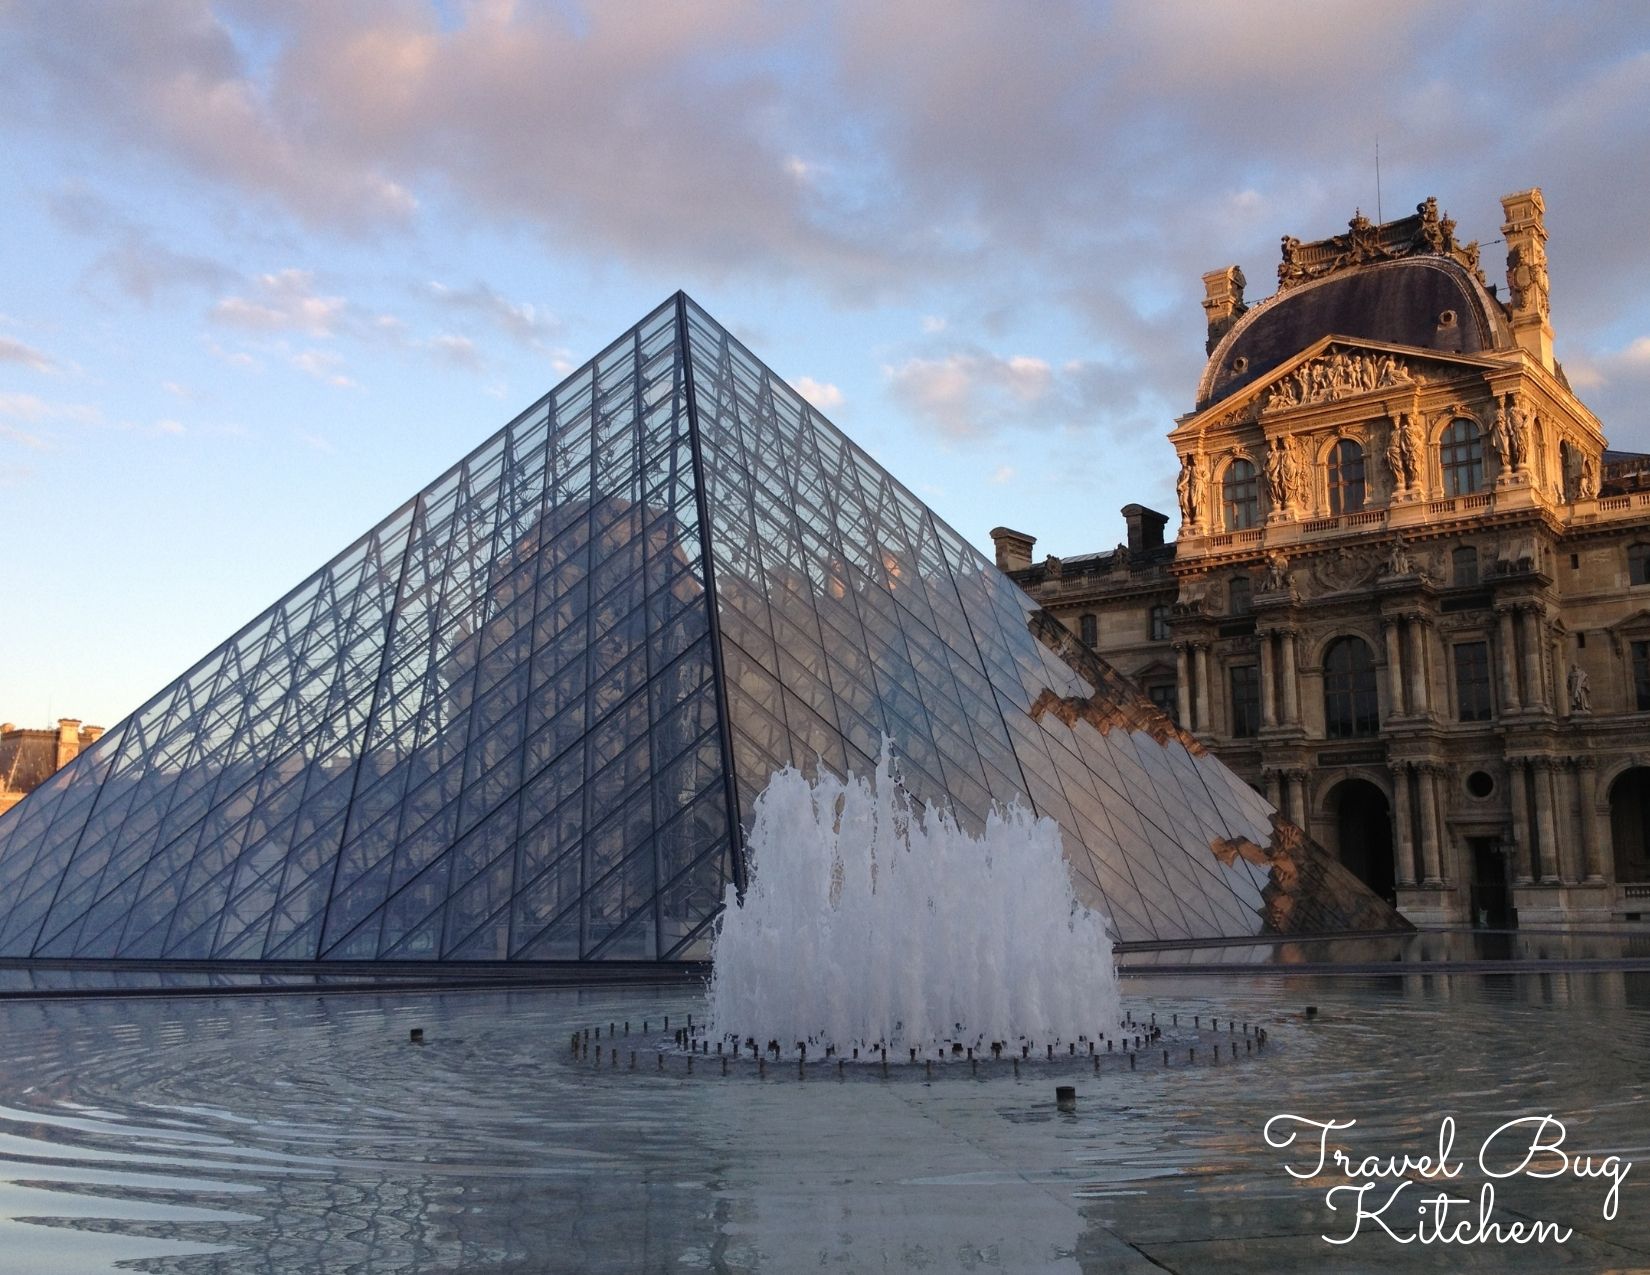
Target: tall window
x: 1638, y: 564
x: 1089, y: 630
x: 1461, y: 454
x: 1240, y: 593
x: 1241, y: 493
x: 1245, y: 700
x: 1472, y: 681
x: 1349, y: 703
x: 1641, y: 676
x: 1346, y: 478
x: 1167, y: 701
x: 1159, y: 625
x: 1464, y: 565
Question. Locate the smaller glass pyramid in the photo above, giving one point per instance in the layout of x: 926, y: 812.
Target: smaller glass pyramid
x: 523, y: 717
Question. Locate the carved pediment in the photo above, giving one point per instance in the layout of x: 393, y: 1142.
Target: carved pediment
x: 1633, y: 627
x: 1340, y: 372
x: 1334, y: 370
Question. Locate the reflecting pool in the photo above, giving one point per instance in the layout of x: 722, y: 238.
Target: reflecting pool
x: 304, y: 1132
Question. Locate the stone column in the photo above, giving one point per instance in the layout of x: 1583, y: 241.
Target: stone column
x: 1274, y: 791
x: 1544, y: 802
x: 1561, y: 696
x: 1403, y: 835
x: 1291, y: 680
x: 1183, y: 685
x: 1564, y: 816
x: 1297, y: 800
x: 1268, y: 683
x: 1394, y: 667
x: 1509, y: 665
x: 1201, y: 657
x: 1595, y: 820
x: 1517, y: 771
x: 1417, y: 667
x: 1429, y: 824
x: 1535, y: 693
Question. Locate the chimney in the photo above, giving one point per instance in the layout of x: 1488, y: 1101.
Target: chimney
x: 1526, y: 234
x: 68, y: 740
x: 1145, y: 527
x: 1013, y: 548
x: 1222, y: 303
x: 90, y: 735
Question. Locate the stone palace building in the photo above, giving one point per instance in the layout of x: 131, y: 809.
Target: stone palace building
x: 1410, y: 598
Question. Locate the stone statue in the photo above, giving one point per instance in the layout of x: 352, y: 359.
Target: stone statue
x: 1277, y: 578
x: 1188, y: 487
x: 1400, y: 564
x: 1197, y: 488
x: 1294, y: 474
x: 1408, y: 433
x: 1581, y: 696
x: 1501, y: 438
x: 1519, y: 432
x: 1277, y: 480
x: 1290, y: 269
x: 1587, y: 488
x: 1395, y: 457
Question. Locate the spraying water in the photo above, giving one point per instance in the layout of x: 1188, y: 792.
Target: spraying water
x: 864, y: 923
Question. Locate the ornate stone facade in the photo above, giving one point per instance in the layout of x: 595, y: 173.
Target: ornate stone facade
x: 30, y: 757
x: 1410, y: 598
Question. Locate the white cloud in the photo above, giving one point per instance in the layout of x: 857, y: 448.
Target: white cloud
x: 522, y: 320
x: 323, y: 365
x: 16, y: 352
x: 459, y: 351
x: 34, y: 409
x: 1004, y: 474
x: 283, y: 302
x: 972, y: 392
x: 822, y: 394
x: 932, y: 323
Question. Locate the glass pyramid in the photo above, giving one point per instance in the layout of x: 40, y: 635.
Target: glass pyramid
x: 523, y: 718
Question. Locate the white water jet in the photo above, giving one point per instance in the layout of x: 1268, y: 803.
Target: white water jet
x: 866, y: 924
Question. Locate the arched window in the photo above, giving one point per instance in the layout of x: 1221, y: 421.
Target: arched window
x: 1461, y: 456
x: 1241, y: 494
x: 1346, y: 478
x: 1349, y: 703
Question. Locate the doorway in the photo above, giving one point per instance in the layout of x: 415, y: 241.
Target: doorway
x: 1491, y: 885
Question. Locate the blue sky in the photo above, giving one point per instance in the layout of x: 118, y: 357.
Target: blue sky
x: 271, y: 265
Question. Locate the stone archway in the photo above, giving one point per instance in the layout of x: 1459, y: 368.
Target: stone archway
x: 1362, y: 820
x: 1630, y: 824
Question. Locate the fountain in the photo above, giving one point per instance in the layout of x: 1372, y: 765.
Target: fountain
x: 868, y: 925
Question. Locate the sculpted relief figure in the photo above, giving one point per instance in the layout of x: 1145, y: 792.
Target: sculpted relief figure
x: 1527, y: 277
x: 1400, y: 563
x: 1183, y: 491
x: 1336, y: 376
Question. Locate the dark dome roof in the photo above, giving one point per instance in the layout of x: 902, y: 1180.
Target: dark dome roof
x: 1399, y: 302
